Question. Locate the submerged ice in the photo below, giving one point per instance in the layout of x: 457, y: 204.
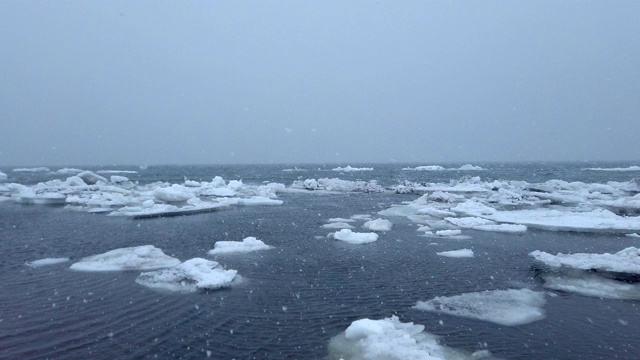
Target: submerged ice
x: 504, y: 307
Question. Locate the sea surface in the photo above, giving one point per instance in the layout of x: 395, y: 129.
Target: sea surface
x: 292, y: 299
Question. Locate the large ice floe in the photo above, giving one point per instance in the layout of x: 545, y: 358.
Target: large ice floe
x: 355, y: 238
x: 611, y: 276
x: 391, y: 339
x: 191, y: 275
x: 514, y: 206
x: 146, y: 257
x: 503, y: 307
x: 248, y: 244
x: 118, y: 196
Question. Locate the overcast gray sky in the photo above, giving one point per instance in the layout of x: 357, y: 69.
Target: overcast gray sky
x: 203, y: 82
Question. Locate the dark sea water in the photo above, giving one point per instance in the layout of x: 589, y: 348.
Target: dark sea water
x: 295, y: 298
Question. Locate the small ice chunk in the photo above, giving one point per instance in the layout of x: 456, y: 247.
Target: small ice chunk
x: 189, y: 276
x: 341, y: 220
x: 462, y: 253
x: 173, y: 193
x: 378, y: 225
x: 354, y: 237
x: 387, y: 339
x: 259, y: 200
x: 505, y: 228
x: 47, y: 261
x: 145, y: 257
x: 348, y: 168
x: 633, y: 235
x: 469, y: 167
x: 248, y: 244
x: 35, y: 169
x: 337, y: 225
x: 504, y: 307
x: 3, y: 176
x: 91, y: 178
x: 446, y: 233
x: 426, y: 168
x: 119, y: 179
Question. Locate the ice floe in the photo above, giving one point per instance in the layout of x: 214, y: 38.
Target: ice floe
x: 191, y: 275
x: 378, y: 225
x: 146, y: 257
x: 3, y: 176
x: 611, y: 276
x: 46, y: 262
x: 630, y: 168
x: 624, y: 261
x: 355, y: 238
x: 505, y: 307
x: 386, y: 339
x: 337, y: 185
x: 348, y: 168
x: 462, y: 253
x: 248, y: 244
x: 119, y: 196
x: 465, y: 167
x: 337, y: 225
x: 35, y: 169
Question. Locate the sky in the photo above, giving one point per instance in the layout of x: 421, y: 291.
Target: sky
x: 332, y: 81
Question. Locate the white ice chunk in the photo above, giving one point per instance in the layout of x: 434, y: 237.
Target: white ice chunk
x: 624, y: 261
x: 69, y: 171
x: 341, y: 220
x: 446, y: 233
x: 337, y: 225
x: 385, y: 339
x: 592, y: 285
x: 633, y: 235
x: 598, y: 220
x: 469, y: 222
x: 117, y: 172
x: 354, y: 237
x: 35, y: 169
x: 91, y: 178
x: 47, y: 261
x: 3, y: 176
x: 426, y: 168
x: 145, y: 257
x: 348, y: 168
x: 248, y: 244
x: 462, y: 253
x: 118, y: 179
x: 504, y: 307
x: 378, y: 225
x: 259, y: 200
x: 189, y: 276
x: 469, y: 167
x: 630, y: 168
x: 505, y: 228
x: 173, y: 193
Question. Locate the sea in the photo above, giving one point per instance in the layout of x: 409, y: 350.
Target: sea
x: 294, y: 298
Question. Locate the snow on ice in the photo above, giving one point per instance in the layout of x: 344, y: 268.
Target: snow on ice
x: 146, y: 257
x: 248, y: 244
x: 189, y: 276
x: 391, y: 339
x: 348, y: 168
x: 378, y: 225
x: 355, y: 238
x: 462, y: 253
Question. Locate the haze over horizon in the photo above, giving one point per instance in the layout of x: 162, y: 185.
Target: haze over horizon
x: 118, y: 82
